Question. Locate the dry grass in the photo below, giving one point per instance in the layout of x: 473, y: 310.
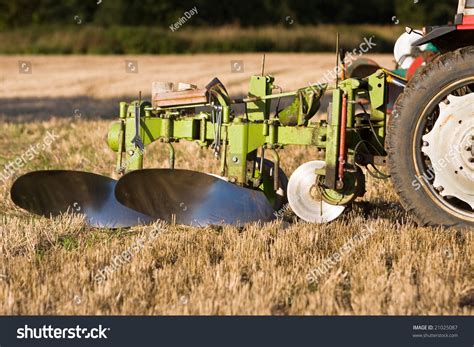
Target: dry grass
x: 49, y: 266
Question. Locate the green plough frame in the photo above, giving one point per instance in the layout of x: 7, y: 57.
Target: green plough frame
x: 241, y: 136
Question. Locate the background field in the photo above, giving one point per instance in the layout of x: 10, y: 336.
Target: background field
x: 49, y: 266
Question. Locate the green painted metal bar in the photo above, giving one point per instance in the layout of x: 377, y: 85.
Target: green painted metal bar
x: 378, y: 92
x: 237, y: 151
x: 260, y: 86
x: 332, y: 145
x: 241, y: 136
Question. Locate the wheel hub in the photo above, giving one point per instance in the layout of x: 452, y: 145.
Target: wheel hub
x: 449, y: 146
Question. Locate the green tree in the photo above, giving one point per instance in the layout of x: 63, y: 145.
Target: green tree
x: 425, y: 12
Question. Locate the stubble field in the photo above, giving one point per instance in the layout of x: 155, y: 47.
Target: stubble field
x: 51, y: 266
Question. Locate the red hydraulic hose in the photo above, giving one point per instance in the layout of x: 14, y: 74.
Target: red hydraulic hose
x: 342, y: 138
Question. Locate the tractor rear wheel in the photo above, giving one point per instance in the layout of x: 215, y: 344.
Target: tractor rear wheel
x: 431, y: 142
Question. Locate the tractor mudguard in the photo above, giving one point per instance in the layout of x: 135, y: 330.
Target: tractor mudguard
x: 451, y: 37
x: 447, y: 38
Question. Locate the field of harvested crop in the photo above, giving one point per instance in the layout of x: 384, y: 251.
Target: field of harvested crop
x: 372, y: 261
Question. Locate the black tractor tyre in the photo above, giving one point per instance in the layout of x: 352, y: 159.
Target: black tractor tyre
x: 404, y: 138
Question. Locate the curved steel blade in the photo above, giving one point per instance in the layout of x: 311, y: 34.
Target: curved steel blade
x: 53, y: 192
x: 301, y: 200
x: 192, y: 198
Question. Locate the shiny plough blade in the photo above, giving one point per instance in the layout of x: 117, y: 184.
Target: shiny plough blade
x: 54, y: 192
x: 191, y: 198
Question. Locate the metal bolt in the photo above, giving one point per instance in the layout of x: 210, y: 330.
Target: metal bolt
x: 235, y: 159
x: 425, y: 144
x: 440, y: 189
x: 131, y: 152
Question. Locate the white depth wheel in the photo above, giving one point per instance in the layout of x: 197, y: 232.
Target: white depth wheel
x: 300, y: 188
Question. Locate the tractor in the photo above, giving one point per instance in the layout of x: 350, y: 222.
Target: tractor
x: 430, y: 141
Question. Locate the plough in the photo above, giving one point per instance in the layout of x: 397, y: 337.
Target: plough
x: 360, y: 131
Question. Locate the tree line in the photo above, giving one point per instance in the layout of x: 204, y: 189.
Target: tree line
x: 245, y: 13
